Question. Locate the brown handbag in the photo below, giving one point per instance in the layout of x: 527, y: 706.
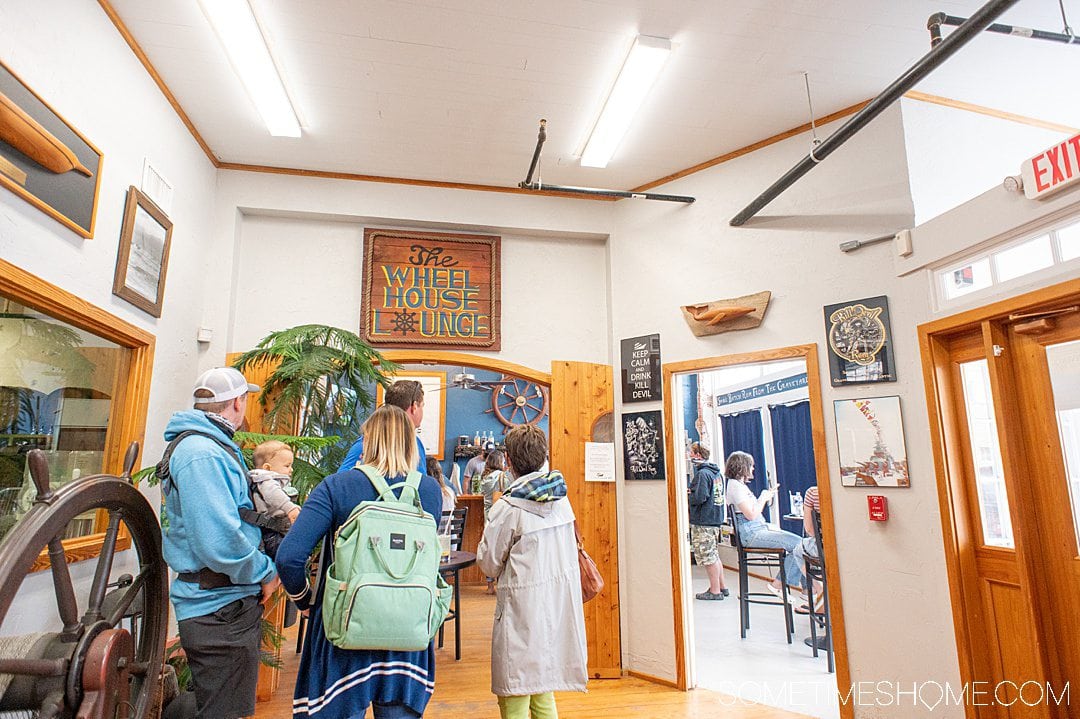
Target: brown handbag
x: 592, y: 582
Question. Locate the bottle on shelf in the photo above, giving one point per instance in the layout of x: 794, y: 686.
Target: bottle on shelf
x: 476, y: 439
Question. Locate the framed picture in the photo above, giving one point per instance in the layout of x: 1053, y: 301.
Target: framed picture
x: 143, y: 256
x: 643, y: 445
x: 431, y: 290
x: 432, y: 429
x: 860, y: 342
x: 44, y: 160
x: 870, y: 437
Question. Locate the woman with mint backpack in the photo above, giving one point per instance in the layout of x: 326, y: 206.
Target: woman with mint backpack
x: 335, y: 683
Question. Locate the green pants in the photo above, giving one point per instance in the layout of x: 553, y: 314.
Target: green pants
x: 541, y: 705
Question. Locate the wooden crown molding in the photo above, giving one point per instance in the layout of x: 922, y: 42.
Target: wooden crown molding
x: 152, y: 71
x: 805, y: 127
x: 989, y: 111
x: 358, y: 177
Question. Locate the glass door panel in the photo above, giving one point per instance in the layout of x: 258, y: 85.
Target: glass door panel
x: 1063, y: 361
x: 994, y: 514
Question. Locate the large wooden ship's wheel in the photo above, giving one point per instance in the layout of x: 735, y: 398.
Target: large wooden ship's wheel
x: 519, y: 401
x: 93, y: 668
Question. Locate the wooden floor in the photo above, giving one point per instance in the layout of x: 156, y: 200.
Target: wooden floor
x: 463, y: 687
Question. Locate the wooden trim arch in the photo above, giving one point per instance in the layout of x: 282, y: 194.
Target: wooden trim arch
x: 467, y: 360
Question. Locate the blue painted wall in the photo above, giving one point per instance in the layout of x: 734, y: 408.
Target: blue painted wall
x: 467, y: 411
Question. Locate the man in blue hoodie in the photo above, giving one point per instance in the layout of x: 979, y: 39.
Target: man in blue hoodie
x: 223, y: 576
x: 706, y: 518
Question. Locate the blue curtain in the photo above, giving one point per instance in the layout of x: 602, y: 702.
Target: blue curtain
x: 793, y: 447
x: 742, y: 432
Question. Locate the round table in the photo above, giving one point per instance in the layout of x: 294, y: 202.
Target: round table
x: 452, y: 565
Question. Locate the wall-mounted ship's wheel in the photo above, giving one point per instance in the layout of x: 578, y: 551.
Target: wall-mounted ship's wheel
x: 519, y: 402
x: 93, y: 668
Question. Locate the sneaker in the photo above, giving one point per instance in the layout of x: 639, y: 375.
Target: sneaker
x: 709, y: 595
x: 822, y: 642
x: 725, y: 592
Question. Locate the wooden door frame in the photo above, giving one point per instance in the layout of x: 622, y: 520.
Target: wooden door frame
x: 958, y: 536
x: 807, y: 353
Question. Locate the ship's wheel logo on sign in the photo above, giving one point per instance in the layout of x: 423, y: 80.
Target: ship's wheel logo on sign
x: 856, y: 333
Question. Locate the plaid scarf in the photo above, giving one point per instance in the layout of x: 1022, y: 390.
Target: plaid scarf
x: 541, y: 487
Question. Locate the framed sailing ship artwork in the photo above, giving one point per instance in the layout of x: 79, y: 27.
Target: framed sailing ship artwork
x: 870, y: 439
x: 860, y: 342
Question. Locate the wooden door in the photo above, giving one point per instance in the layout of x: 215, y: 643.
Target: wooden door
x: 582, y: 393
x: 1047, y: 376
x: 1003, y: 388
x: 995, y: 601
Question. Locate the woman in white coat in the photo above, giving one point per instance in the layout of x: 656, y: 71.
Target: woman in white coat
x: 538, y: 642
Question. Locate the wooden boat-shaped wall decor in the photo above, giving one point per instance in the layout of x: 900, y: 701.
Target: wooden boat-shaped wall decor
x: 718, y: 316
x: 44, y: 159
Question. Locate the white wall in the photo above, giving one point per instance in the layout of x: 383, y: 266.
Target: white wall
x: 664, y: 257
x: 71, y: 55
x: 954, y: 155
x: 299, y: 249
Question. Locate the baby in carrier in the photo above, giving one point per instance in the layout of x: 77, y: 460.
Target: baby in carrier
x: 272, y: 490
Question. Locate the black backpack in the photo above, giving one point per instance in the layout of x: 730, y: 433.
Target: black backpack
x: 273, y: 528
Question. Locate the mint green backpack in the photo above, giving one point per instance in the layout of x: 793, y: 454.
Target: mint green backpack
x: 383, y: 589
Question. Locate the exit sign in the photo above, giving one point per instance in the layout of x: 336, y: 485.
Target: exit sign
x: 1052, y: 170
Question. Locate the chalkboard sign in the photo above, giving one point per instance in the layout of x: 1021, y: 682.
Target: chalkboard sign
x: 641, y: 369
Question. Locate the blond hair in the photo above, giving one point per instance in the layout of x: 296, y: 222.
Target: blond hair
x: 265, y: 452
x: 390, y: 441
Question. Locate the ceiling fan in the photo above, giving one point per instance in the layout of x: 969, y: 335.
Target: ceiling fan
x: 464, y: 380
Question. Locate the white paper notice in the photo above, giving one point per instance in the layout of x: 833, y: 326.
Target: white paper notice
x: 599, y: 461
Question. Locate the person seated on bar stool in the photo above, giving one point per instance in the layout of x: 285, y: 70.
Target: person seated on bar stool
x: 808, y: 545
x: 753, y: 530
x: 706, y: 518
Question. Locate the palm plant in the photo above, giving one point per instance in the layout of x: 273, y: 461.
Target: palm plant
x: 321, y: 386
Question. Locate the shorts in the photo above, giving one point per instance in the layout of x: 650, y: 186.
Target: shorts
x: 222, y: 650
x: 703, y: 539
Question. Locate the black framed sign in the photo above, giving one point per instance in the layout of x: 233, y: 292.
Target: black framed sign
x: 643, y: 445
x: 641, y: 369
x: 860, y: 342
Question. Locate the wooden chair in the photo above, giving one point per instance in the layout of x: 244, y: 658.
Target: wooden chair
x: 766, y: 558
x: 456, y: 529
x: 815, y: 570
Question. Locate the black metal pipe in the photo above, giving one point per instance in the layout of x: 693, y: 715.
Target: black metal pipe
x: 939, y: 19
x: 618, y: 194
x: 923, y: 67
x: 541, y: 136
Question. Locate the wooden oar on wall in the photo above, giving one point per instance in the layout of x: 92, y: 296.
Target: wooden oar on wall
x: 718, y: 316
x: 27, y: 136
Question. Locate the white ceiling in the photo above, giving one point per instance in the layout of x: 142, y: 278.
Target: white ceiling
x: 452, y: 90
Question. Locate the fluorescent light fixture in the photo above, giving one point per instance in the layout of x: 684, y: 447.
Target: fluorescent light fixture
x: 639, y: 72
x: 239, y: 34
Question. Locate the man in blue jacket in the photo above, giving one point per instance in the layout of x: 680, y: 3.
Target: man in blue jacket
x: 409, y: 395
x: 706, y: 518
x: 223, y: 576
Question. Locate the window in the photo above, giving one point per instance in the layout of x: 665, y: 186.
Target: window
x: 986, y: 456
x: 1023, y: 259
x: 1069, y: 239
x: 56, y: 388
x: 74, y: 382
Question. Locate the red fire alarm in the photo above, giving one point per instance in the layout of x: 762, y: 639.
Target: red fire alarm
x: 879, y: 507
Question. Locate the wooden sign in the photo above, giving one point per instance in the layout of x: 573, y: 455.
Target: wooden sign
x: 431, y: 290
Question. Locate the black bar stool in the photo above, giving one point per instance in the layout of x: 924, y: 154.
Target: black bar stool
x: 815, y: 570
x: 456, y: 529
x: 766, y: 558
